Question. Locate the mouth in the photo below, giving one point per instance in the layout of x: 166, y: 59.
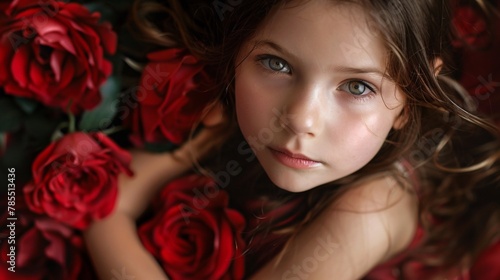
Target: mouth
x: 293, y: 160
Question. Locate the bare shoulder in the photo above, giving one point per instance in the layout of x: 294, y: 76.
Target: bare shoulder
x: 370, y: 223
x: 384, y: 202
x: 376, y: 194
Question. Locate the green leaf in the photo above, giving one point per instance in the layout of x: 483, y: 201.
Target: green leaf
x: 107, y: 12
x: 102, y: 116
x: 26, y: 104
x: 11, y: 116
x: 38, y: 130
x: 111, y: 11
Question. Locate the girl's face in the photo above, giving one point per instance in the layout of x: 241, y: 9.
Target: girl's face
x: 312, y: 99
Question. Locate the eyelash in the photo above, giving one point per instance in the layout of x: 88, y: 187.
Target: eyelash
x: 261, y: 58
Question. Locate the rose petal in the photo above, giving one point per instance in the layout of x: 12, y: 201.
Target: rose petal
x: 19, y: 65
x: 30, y: 239
x: 6, y: 54
x: 109, y: 38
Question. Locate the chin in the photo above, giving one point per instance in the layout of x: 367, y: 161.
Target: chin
x: 288, y: 183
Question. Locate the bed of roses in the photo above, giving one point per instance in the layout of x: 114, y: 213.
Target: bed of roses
x: 72, y: 103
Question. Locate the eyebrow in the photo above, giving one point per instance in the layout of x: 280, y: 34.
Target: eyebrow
x: 367, y: 70
x: 274, y: 46
x: 343, y: 69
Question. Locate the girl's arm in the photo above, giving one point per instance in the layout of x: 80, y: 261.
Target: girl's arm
x: 367, y: 226
x: 116, y: 251
x: 153, y: 171
x: 113, y: 243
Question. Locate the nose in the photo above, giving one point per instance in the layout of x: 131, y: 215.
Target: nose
x: 303, y: 111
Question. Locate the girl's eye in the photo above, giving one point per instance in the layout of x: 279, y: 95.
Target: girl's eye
x: 357, y: 88
x: 275, y: 64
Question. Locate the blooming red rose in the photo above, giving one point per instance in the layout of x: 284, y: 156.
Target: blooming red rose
x: 53, y: 52
x: 75, y: 178
x: 196, y: 235
x: 470, y: 27
x: 173, y: 92
x: 44, y: 248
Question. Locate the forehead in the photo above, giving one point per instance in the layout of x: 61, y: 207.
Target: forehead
x: 328, y: 30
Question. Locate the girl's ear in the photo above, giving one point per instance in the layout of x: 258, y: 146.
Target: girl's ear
x: 438, y: 65
x: 402, y: 119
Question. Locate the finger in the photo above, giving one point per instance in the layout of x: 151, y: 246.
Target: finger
x: 208, y: 140
x: 214, y: 116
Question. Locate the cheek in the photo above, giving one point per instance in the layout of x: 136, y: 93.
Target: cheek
x: 358, y: 139
x: 378, y: 125
x: 249, y: 105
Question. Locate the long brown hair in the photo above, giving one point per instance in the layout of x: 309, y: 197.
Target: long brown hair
x: 454, y: 152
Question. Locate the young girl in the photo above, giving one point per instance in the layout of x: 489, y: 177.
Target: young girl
x: 348, y: 108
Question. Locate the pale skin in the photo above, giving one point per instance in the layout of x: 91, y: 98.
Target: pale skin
x: 113, y: 242
x: 308, y: 90
x: 333, y: 111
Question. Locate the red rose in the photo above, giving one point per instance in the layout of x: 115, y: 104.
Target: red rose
x: 53, y: 52
x: 470, y: 27
x: 44, y: 248
x: 196, y: 235
x: 75, y: 178
x: 173, y: 92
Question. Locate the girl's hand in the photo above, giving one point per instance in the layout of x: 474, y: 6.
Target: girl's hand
x: 153, y: 170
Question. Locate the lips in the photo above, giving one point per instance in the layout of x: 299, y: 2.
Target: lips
x: 293, y: 160
x: 293, y: 155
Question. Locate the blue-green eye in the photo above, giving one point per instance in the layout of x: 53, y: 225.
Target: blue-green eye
x: 356, y: 88
x: 275, y: 64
